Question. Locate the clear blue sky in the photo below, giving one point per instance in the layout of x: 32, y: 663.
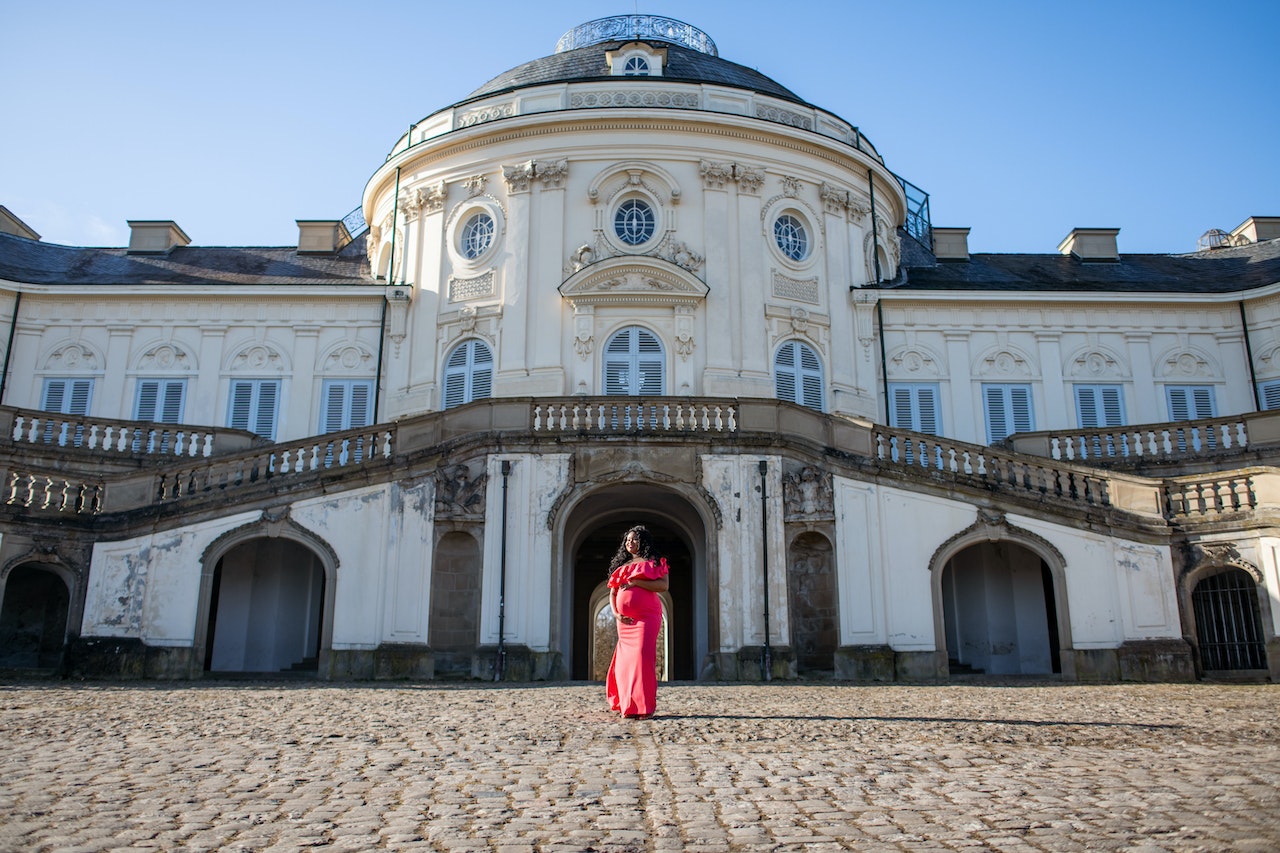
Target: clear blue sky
x: 1021, y: 120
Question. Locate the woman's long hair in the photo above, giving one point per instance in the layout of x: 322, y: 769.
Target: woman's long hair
x: 645, y: 551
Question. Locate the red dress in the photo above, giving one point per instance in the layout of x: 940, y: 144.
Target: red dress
x: 632, y: 684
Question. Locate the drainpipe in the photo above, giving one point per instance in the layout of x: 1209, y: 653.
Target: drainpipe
x: 884, y: 361
x: 766, y: 662
x: 395, y: 215
x: 377, y: 376
x: 499, y: 665
x: 8, y: 350
x: 1248, y: 353
x: 875, y: 228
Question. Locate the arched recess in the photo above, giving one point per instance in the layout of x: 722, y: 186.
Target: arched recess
x: 814, y: 603
x: 1225, y: 610
x: 591, y: 521
x: 455, y: 603
x: 35, y: 600
x: 266, y: 600
x: 1000, y: 600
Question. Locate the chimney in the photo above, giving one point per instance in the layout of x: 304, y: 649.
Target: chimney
x: 951, y: 244
x: 155, y: 237
x: 1255, y: 229
x: 10, y: 224
x: 321, y: 236
x: 1091, y: 244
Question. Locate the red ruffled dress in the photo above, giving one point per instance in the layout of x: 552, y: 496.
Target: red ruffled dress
x: 632, y: 684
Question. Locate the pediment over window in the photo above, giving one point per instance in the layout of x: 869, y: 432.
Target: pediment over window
x: 627, y: 281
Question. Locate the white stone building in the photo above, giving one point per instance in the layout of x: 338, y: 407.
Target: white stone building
x: 629, y: 282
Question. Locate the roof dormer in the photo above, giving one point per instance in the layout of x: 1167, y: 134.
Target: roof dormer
x: 636, y: 59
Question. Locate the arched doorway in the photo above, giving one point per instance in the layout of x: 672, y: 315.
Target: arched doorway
x: 1000, y: 612
x: 455, y: 604
x: 266, y: 608
x: 33, y: 618
x: 593, y: 530
x: 1228, y: 622
x: 811, y: 588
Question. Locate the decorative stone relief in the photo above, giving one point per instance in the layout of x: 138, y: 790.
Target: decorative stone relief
x: 475, y: 185
x: 397, y: 317
x: 715, y: 175
x: 553, y: 174
x: 460, y: 492
x: 801, y: 289
x: 1186, y: 364
x: 684, y: 331
x: 483, y: 114
x: 834, y: 199
x: 1095, y: 365
x: 790, y: 186
x: 583, y: 256
x: 631, y: 98
x: 584, y: 330
x: 258, y: 358
x: 433, y: 197
x: 682, y: 256
x: 781, y: 116
x: 914, y: 363
x: 807, y: 494
x: 1219, y: 554
x: 73, y: 358
x: 1004, y: 363
x: 749, y: 178
x: 478, y: 287
x: 165, y: 357
x: 864, y: 312
x: 410, y: 204
x: 348, y: 359
x: 517, y: 177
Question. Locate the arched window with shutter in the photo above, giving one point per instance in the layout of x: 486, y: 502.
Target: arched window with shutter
x: 797, y: 375
x: 634, y: 364
x: 468, y: 374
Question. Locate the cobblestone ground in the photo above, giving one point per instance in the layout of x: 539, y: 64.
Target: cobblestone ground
x: 779, y: 767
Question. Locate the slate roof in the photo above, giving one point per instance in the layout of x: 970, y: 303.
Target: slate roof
x: 1216, y: 271
x: 588, y: 63
x: 35, y: 262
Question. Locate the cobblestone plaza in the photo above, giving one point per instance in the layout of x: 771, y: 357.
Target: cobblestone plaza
x: 279, y: 766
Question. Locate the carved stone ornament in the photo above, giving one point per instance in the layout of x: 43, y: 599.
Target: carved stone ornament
x: 475, y: 185
x: 716, y: 175
x: 1220, y: 554
x: 807, y: 494
x: 459, y: 492
x: 348, y: 359
x: 1005, y: 363
x: 749, y: 178
x: 1095, y: 365
x: 165, y: 357
x: 681, y: 255
x: 583, y: 256
x: 790, y: 186
x: 433, y: 197
x: 410, y: 204
x: 834, y: 199
x: 684, y: 331
x: 1186, y: 364
x: 627, y: 281
x: 257, y: 358
x: 552, y: 174
x: 72, y: 357
x: 518, y: 177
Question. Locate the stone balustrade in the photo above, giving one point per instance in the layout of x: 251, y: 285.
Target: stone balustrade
x: 119, y: 438
x: 1173, y: 442
x: 997, y: 470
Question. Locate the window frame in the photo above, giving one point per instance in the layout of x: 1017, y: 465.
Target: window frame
x: 164, y: 409
x: 475, y: 375
x: 634, y: 361
x: 1207, y: 392
x: 350, y: 391
x: 466, y: 235
x: 620, y: 222
x: 915, y: 406
x: 1103, y: 410
x: 802, y: 393
x: 798, y: 224
x: 78, y: 386
x: 1009, y: 391
x: 253, y: 417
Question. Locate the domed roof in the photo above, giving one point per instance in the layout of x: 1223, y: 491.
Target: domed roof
x: 580, y: 56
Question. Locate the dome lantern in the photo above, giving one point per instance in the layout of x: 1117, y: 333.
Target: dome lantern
x: 637, y: 27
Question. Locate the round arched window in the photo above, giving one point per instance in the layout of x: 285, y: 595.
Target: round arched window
x: 792, y: 238
x: 634, y: 222
x: 636, y: 66
x: 476, y: 236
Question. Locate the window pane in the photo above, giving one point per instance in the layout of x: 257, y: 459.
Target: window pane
x: 634, y: 222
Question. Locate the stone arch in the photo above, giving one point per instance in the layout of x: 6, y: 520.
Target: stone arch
x: 273, y: 525
x: 37, y: 599
x: 588, y: 523
x: 912, y: 362
x: 1208, y: 560
x: 347, y: 358
x: 1005, y: 361
x: 73, y: 357
x: 1096, y: 364
x: 1187, y: 363
x: 813, y: 600
x: 258, y: 357
x: 165, y: 357
x: 993, y: 527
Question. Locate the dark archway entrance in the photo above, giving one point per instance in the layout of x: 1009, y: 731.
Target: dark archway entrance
x: 811, y: 589
x: 1000, y: 612
x: 33, y: 618
x: 266, y: 608
x: 1228, y: 624
x: 593, y: 531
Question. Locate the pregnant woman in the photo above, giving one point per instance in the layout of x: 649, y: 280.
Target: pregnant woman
x: 636, y: 576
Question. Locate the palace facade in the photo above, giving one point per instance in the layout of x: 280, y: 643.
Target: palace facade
x: 634, y: 282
